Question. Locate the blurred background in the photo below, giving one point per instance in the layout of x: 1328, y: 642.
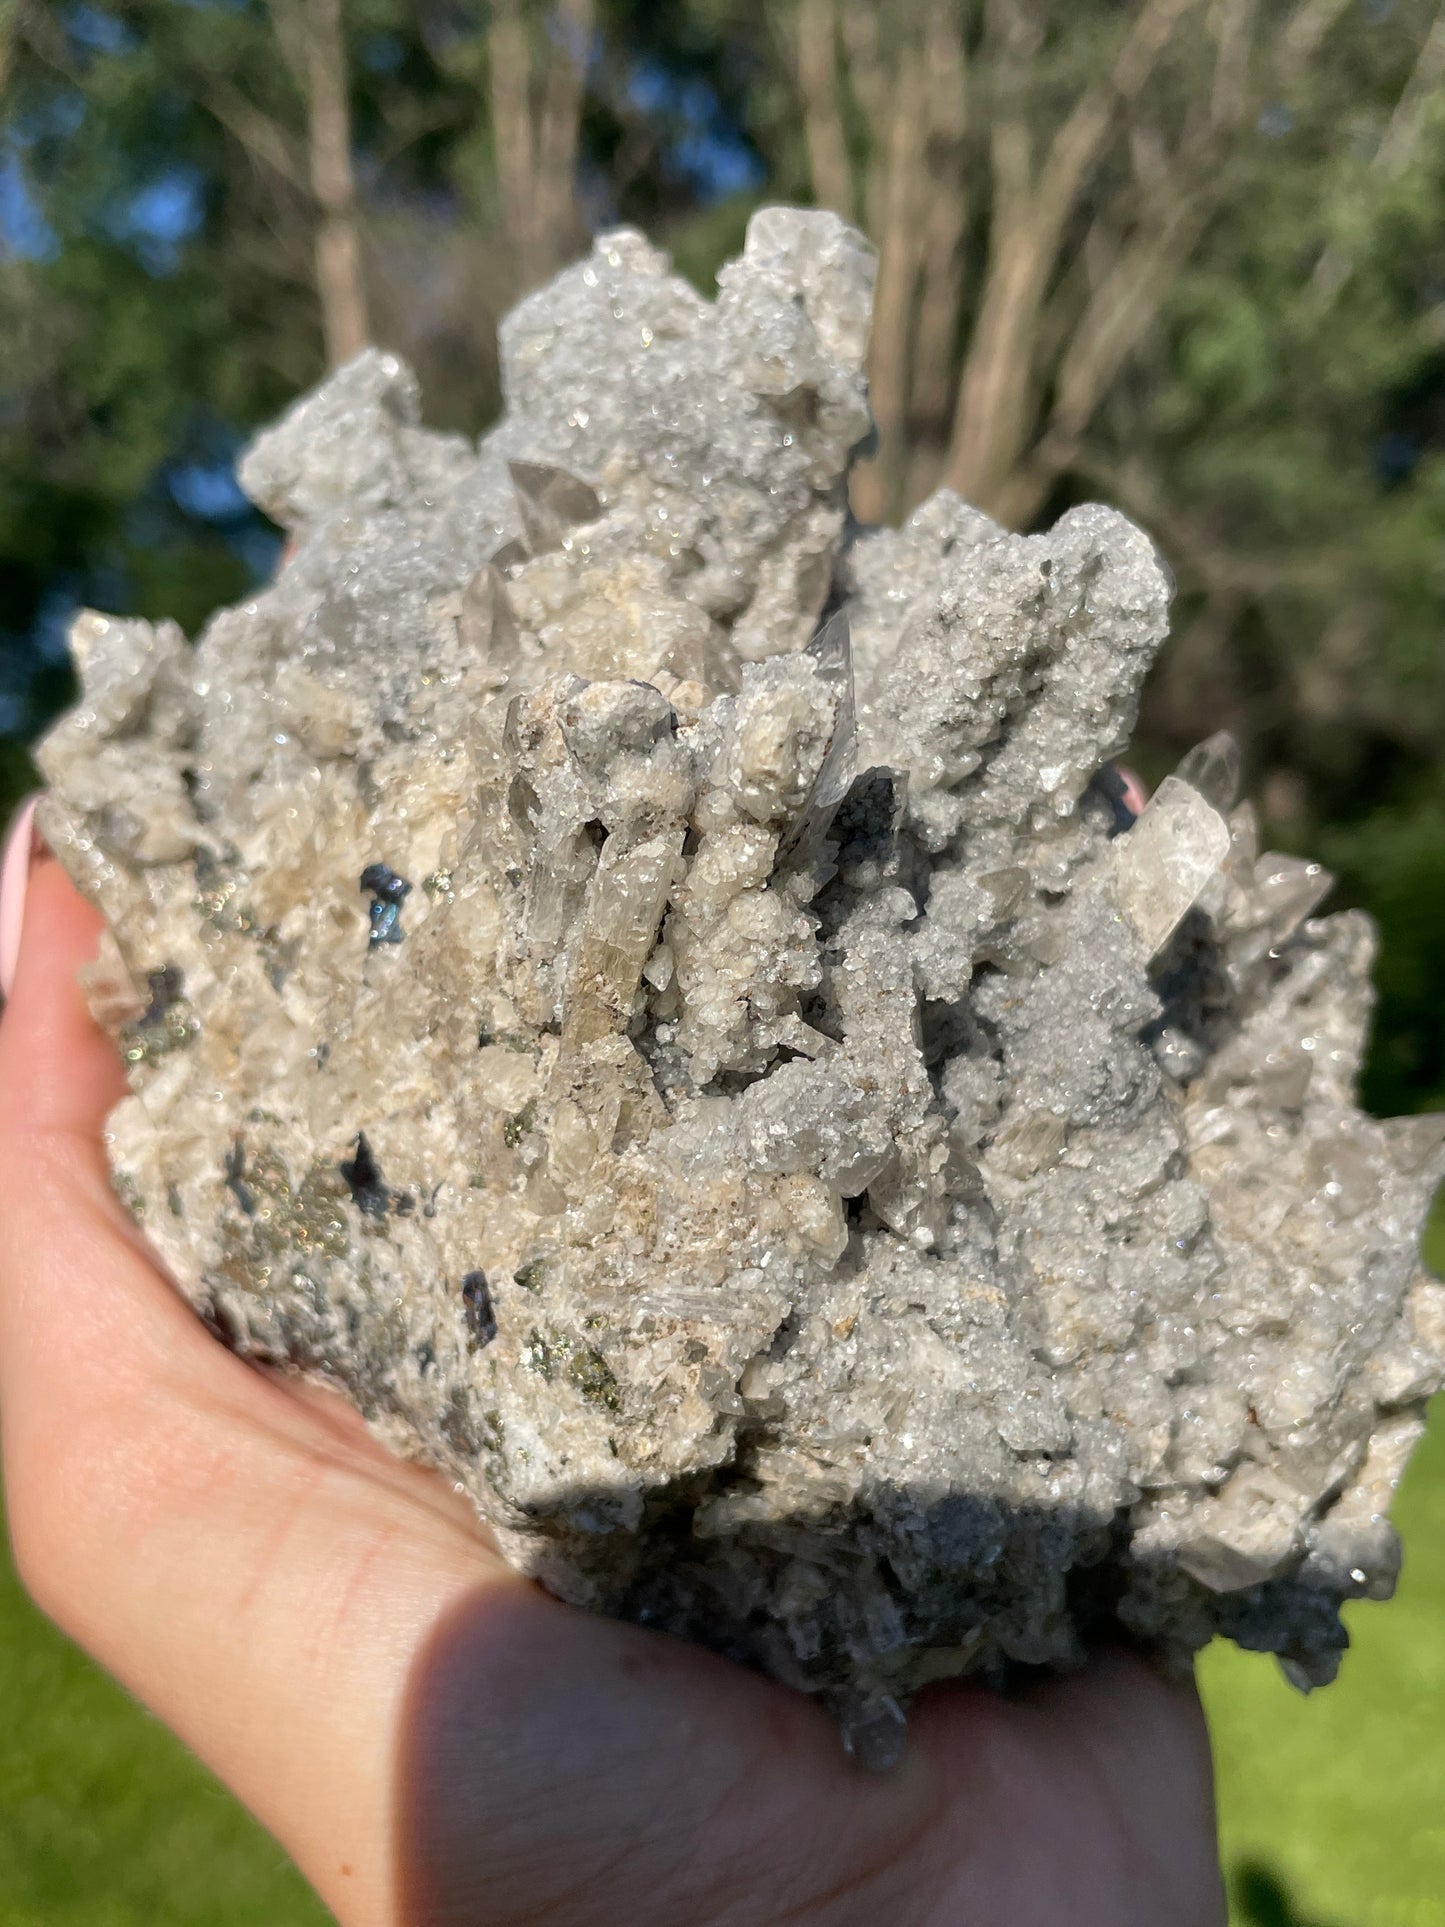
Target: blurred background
x: 1187, y: 256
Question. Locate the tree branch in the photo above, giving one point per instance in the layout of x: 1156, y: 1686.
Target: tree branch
x: 815, y: 56
x: 899, y: 197
x: 995, y: 394
x: 1079, y: 144
x: 1181, y: 193
x: 560, y: 128
x: 1124, y: 307
x: 312, y: 35
x: 1396, y: 151
x: 946, y: 221
x: 1402, y: 136
x: 1305, y: 32
x: 266, y: 141
x: 1230, y: 94
x: 1013, y: 43
x: 859, y: 22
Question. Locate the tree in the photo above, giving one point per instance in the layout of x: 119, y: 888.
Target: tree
x: 313, y: 39
x: 203, y: 205
x: 1182, y: 254
x: 537, y: 70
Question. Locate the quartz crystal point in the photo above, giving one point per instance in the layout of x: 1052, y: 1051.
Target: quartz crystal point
x: 653, y: 990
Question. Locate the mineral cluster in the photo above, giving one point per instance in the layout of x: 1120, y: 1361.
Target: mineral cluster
x: 656, y: 991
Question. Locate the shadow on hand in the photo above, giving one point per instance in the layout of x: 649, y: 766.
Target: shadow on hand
x: 563, y: 1768
x: 559, y: 1766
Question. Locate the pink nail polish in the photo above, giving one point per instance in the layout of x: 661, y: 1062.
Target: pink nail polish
x: 1136, y: 797
x: 14, y: 882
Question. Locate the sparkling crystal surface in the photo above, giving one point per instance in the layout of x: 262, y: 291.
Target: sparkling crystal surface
x: 654, y: 990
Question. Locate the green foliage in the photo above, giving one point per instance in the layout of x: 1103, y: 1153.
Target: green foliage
x: 1281, y: 429
x: 1393, y: 858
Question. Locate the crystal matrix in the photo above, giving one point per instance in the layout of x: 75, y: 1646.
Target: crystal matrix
x: 655, y: 991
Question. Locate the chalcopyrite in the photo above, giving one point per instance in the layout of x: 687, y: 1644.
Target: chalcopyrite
x: 655, y: 991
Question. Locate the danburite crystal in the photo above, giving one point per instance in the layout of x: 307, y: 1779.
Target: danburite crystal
x: 752, y: 1107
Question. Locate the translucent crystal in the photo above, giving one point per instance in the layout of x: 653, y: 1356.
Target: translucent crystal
x: 1215, y: 768
x: 552, y: 502
x: 1163, y: 864
x: 703, y: 1058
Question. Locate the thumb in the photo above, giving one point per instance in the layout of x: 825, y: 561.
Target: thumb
x: 248, y: 1566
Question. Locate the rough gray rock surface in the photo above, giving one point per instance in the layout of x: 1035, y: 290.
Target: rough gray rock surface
x: 653, y: 989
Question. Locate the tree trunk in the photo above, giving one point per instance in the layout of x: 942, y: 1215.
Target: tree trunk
x: 510, y: 74
x: 945, y: 224
x: 815, y: 55
x: 536, y: 121
x: 997, y: 392
x: 897, y: 194
x: 333, y: 182
x: 312, y: 34
x: 559, y: 132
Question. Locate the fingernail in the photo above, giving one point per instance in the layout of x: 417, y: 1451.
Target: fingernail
x: 1136, y: 797
x: 14, y: 882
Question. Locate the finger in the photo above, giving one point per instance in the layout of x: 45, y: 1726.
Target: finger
x: 14, y: 876
x: 60, y: 1074
x: 278, y: 1595
x: 307, y: 1613
x: 244, y: 1564
x: 1109, y: 1771
x: 562, y: 1768
x: 1136, y: 797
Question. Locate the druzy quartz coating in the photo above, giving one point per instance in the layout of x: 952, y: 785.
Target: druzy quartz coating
x: 824, y: 1177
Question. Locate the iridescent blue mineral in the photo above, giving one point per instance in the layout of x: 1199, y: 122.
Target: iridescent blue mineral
x: 821, y: 1174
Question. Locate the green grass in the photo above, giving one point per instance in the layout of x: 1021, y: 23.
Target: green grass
x: 1332, y: 1808
x: 105, y: 1820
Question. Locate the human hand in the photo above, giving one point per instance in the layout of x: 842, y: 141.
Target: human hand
x: 435, y: 1741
